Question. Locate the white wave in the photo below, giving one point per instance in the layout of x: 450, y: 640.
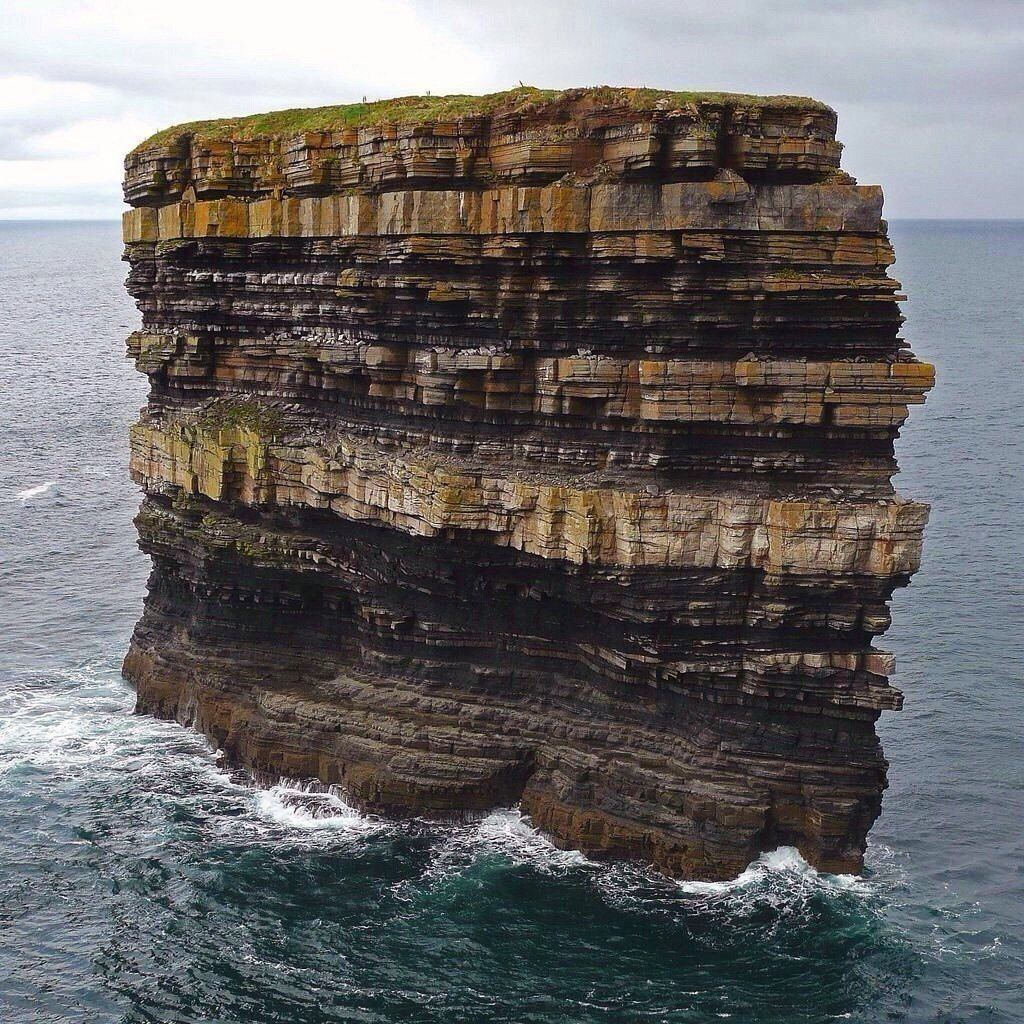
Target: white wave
x: 507, y: 832
x: 783, y: 865
x: 308, y: 807
x: 80, y: 720
x: 80, y: 723
x: 780, y: 879
x: 504, y: 834
x: 34, y: 492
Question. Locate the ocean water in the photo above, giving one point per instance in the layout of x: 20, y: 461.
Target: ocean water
x: 139, y: 881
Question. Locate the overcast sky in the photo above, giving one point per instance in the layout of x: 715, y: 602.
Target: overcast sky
x: 930, y: 93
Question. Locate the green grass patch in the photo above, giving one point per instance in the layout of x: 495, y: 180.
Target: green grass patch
x: 411, y: 110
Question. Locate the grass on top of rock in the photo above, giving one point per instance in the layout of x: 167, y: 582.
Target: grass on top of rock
x: 426, y: 109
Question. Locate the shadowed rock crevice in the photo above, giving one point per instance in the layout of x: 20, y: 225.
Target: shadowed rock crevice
x: 535, y: 453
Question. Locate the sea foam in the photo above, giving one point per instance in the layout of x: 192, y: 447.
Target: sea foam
x: 50, y: 487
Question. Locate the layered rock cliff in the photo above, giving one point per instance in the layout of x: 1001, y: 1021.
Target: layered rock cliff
x: 533, y: 448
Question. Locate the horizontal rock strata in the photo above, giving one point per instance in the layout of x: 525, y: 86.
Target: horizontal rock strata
x: 534, y: 448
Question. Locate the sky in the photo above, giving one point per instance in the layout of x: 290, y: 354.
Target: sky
x: 930, y: 93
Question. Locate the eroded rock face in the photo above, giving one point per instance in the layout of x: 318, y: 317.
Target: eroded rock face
x: 537, y: 454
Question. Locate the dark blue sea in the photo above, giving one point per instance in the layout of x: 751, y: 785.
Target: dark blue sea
x: 139, y: 881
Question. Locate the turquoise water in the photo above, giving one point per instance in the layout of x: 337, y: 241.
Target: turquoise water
x: 139, y: 881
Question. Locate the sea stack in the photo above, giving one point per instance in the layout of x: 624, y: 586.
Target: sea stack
x: 533, y: 448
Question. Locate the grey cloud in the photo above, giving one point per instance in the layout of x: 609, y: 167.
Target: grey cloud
x: 844, y: 52
x: 16, y: 135
x: 280, y: 86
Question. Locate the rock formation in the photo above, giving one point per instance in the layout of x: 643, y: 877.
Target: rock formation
x: 532, y: 448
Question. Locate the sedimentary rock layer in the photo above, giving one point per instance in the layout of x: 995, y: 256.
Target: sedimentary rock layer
x: 533, y: 448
